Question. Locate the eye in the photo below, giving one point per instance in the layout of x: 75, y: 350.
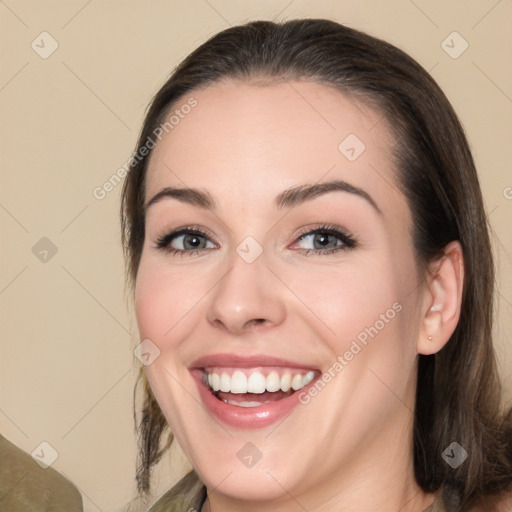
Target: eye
x: 185, y: 241
x: 324, y: 240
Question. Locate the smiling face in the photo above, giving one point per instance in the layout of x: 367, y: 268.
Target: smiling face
x: 278, y: 270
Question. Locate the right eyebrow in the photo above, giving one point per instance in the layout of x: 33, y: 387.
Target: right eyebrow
x: 191, y: 196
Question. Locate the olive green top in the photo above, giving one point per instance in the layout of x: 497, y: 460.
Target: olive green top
x: 189, y: 495
x: 27, y: 487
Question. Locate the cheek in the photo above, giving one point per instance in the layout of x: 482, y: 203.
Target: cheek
x: 362, y: 310
x: 345, y: 300
x: 165, y: 313
x: 165, y: 301
x: 154, y: 317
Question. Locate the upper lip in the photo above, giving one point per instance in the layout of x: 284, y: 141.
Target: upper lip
x: 252, y: 361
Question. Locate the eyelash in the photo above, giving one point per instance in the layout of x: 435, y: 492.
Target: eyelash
x: 163, y: 243
x: 348, y: 241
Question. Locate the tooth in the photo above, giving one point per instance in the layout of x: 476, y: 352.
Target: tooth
x: 244, y: 404
x: 256, y: 383
x: 238, y: 382
x: 225, y: 383
x: 286, y: 382
x: 214, y: 381
x: 273, y: 382
x: 297, y: 382
x: 308, y: 378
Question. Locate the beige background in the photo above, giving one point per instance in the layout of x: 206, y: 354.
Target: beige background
x: 70, y: 121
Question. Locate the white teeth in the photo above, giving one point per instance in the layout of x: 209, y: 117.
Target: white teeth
x: 308, y: 378
x: 256, y: 382
x: 225, y: 383
x: 215, y: 381
x: 286, y: 382
x: 238, y: 382
x: 273, y: 382
x: 297, y: 382
x: 244, y: 404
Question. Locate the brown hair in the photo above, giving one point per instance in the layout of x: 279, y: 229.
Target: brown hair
x: 458, y: 390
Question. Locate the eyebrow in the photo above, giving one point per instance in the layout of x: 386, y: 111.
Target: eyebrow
x: 289, y: 198
x: 302, y: 193
x: 187, y: 195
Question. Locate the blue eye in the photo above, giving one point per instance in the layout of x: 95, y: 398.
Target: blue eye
x: 324, y: 240
x: 319, y: 241
x: 185, y: 240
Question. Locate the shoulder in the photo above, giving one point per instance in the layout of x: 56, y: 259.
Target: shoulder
x: 499, y: 503
x: 25, y: 485
x: 189, y: 493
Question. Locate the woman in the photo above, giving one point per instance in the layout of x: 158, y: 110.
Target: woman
x: 312, y: 276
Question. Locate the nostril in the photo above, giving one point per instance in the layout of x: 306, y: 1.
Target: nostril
x: 255, y: 321
x: 258, y: 321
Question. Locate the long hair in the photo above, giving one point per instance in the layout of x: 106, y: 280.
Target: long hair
x: 458, y: 390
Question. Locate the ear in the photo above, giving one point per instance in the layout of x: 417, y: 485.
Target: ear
x: 442, y: 302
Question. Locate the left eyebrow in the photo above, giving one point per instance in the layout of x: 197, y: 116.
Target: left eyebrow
x: 302, y: 193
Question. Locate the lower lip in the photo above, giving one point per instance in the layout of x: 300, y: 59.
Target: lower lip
x: 246, y: 417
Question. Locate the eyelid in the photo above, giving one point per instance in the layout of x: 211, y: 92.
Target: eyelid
x: 322, y: 227
x: 163, y: 242
x: 191, y: 228
x: 348, y: 240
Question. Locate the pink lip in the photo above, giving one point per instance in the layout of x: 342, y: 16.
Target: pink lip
x: 249, y: 418
x: 232, y: 360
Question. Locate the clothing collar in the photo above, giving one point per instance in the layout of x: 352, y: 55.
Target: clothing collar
x: 189, y: 494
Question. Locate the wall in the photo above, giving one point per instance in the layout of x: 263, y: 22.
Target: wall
x: 70, y: 120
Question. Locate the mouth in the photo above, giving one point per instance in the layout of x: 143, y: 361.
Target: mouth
x: 255, y: 387
x: 250, y: 392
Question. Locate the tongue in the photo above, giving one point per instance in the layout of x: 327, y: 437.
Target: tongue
x: 267, y: 396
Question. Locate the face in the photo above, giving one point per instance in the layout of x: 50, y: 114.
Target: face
x: 278, y: 281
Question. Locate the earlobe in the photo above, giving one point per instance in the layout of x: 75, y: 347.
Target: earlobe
x: 442, y: 300
x: 431, y: 341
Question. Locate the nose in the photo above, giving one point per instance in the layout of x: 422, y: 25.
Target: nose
x: 247, y: 297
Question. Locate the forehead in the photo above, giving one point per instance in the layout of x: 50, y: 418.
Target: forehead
x: 252, y: 141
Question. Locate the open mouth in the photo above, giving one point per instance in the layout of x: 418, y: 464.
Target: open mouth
x: 246, y: 387
x: 251, y: 391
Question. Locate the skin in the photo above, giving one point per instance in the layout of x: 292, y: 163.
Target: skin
x: 350, y: 447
